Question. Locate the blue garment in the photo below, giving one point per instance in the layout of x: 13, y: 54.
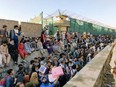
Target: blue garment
x: 27, y: 47
x: 16, y: 41
x: 9, y: 81
x: 47, y: 85
x: 75, y: 54
x: 47, y: 82
x: 44, y: 77
x: 14, y: 37
x: 19, y: 33
x: 76, y: 63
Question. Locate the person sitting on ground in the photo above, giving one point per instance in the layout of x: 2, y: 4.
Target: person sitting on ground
x: 34, y: 79
x: 27, y: 46
x: 33, y: 45
x: 31, y: 64
x: 60, y: 44
x: 22, y: 50
x: 39, y: 44
x: 5, y: 53
x: 45, y: 82
x: 48, y: 46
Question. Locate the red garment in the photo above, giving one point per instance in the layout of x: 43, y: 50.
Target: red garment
x: 22, y: 50
x: 43, y: 36
x: 2, y: 82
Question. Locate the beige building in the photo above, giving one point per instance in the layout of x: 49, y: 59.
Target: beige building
x: 60, y: 21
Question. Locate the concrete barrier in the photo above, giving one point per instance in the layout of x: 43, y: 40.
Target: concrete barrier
x: 113, y: 64
x: 92, y: 74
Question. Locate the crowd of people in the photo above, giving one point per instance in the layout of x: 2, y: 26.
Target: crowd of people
x: 70, y: 51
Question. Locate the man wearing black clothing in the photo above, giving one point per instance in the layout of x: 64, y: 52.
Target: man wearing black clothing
x: 13, y: 51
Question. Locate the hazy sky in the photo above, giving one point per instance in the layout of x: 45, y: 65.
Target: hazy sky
x: 22, y: 10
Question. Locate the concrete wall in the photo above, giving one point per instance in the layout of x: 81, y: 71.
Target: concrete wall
x: 113, y: 64
x: 9, y: 23
x: 31, y: 29
x: 92, y: 74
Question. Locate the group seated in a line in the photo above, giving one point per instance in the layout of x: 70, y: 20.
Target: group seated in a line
x: 68, y: 54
